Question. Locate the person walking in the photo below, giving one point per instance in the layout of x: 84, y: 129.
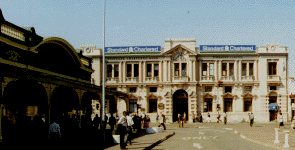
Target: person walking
x: 122, y: 125
x: 248, y: 120
x: 96, y: 122
x: 129, y: 127
x: 148, y: 120
x: 54, y: 132
x: 218, y: 117
x: 208, y: 118
x: 162, y: 121
x: 281, y: 121
x: 194, y: 117
x: 112, y: 121
x: 225, y: 117
x: 184, y: 117
x: 251, y: 119
x: 180, y: 120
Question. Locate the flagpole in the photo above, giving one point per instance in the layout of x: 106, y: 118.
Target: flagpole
x: 103, y: 66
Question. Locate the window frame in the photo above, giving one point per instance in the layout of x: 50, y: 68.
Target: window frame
x: 154, y: 105
x: 134, y: 103
x: 272, y: 68
x: 225, y: 88
x: 209, y: 107
x: 132, y: 91
x: 153, y: 91
x: 247, y: 100
x: 206, y: 88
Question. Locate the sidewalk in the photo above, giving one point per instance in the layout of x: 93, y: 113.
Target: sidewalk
x: 146, y: 141
x: 264, y: 133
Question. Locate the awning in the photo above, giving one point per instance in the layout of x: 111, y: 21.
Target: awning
x: 273, y: 106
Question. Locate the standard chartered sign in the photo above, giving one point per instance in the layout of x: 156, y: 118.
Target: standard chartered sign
x: 205, y: 48
x: 127, y: 49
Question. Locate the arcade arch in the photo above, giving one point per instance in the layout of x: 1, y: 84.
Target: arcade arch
x: 180, y: 104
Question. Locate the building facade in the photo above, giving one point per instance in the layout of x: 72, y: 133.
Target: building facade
x: 237, y: 79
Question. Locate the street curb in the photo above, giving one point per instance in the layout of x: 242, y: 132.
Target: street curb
x: 159, y: 141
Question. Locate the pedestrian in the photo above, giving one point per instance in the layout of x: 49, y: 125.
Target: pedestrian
x: 129, y: 127
x: 122, y: 127
x: 162, y: 121
x: 194, y: 119
x: 96, y: 122
x: 218, y: 117
x: 180, y: 120
x: 201, y: 118
x: 148, y: 120
x: 157, y: 118
x: 112, y: 121
x: 184, y: 117
x: 248, y: 120
x: 144, y: 122
x: 54, y: 132
x: 251, y: 119
x: 208, y: 118
x: 281, y: 121
x: 225, y: 117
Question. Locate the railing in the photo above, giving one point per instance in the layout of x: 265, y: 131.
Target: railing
x: 273, y: 78
x: 132, y: 79
x: 12, y: 32
x: 247, y: 78
x: 227, y: 78
x: 207, y: 78
x: 152, y: 79
x: 112, y: 80
x: 180, y: 79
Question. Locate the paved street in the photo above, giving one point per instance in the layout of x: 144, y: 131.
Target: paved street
x: 208, y: 136
x: 216, y: 136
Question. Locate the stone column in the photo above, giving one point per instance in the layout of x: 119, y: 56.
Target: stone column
x: 160, y: 71
x: 235, y: 70
x: 255, y: 69
x: 113, y: 70
x: 215, y: 70
x: 120, y: 72
x: 194, y: 70
x: 169, y: 71
x: 124, y: 71
x: 140, y: 72
x: 200, y: 70
x: 247, y: 73
x: 165, y: 71
x: 153, y: 70
x: 220, y: 69
x: 144, y: 71
x: 240, y: 70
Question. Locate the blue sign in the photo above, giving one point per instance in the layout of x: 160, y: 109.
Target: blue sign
x: 206, y: 48
x: 127, y: 49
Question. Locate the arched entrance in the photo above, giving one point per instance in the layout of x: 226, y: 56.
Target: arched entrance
x: 180, y: 104
x: 273, y: 111
x: 25, y: 106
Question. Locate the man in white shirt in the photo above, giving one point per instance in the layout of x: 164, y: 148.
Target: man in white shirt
x: 122, y: 126
x: 129, y: 127
x: 281, y: 120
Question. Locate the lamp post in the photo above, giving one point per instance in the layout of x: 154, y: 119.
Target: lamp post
x: 103, y: 66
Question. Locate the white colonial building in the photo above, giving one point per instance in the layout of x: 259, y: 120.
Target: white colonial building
x: 237, y: 79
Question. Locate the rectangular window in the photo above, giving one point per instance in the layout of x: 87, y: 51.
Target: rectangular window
x: 152, y: 105
x: 116, y: 67
x: 248, y: 89
x: 204, y: 69
x: 272, y: 87
x: 153, y: 89
x: 156, y: 70
x: 132, y: 105
x: 224, y: 69
x: 176, y: 69
x: 208, y: 105
x: 272, y: 68
x: 247, y: 104
x: 251, y: 69
x: 109, y: 70
x: 227, y: 89
x: 231, y: 69
x: 129, y: 70
x: 183, y: 67
x: 244, y: 69
x: 132, y: 90
x: 149, y: 70
x: 211, y: 69
x: 136, y: 68
x: 208, y: 88
x: 228, y: 103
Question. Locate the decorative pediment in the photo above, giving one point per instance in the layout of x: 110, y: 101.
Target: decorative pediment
x: 179, y: 53
x: 228, y: 95
x: 167, y: 95
x: 208, y: 95
x: 193, y: 94
x: 248, y: 95
x: 152, y: 96
x: 132, y: 97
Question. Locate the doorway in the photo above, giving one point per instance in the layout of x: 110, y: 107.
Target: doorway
x: 180, y: 104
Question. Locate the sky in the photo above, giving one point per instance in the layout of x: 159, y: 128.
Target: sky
x: 150, y: 22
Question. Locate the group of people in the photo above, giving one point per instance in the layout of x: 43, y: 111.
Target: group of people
x: 181, y: 119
